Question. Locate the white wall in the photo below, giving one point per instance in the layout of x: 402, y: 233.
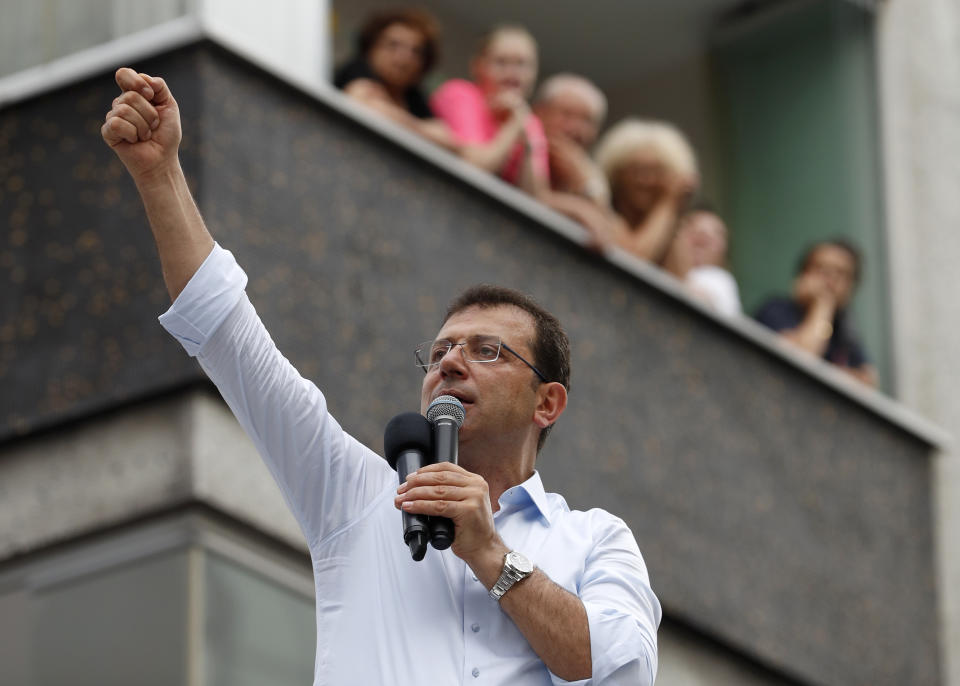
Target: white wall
x: 291, y: 37
x: 919, y: 68
x: 35, y: 32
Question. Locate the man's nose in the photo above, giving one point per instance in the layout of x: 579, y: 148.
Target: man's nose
x: 453, y: 363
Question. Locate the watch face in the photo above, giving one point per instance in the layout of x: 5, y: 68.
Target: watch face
x: 521, y: 563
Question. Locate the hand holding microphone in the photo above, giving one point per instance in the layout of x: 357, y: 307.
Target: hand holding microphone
x: 410, y: 442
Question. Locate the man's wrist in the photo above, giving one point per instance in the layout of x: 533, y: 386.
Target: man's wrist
x: 488, y: 564
x: 516, y: 568
x: 823, y: 308
x: 159, y: 176
x: 822, y: 329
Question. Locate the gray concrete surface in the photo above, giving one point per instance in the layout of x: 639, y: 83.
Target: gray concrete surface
x: 132, y: 463
x: 919, y: 73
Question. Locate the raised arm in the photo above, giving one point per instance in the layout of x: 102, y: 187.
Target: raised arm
x: 492, y: 155
x: 324, y: 474
x: 143, y: 128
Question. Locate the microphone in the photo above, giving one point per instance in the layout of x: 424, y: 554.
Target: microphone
x: 407, y: 444
x: 446, y: 414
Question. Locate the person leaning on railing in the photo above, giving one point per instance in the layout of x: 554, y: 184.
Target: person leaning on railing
x: 652, y: 173
x: 815, y: 317
x: 490, y: 117
x: 395, y: 50
x: 572, y: 110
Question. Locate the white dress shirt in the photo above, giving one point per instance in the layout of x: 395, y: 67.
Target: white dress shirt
x: 381, y: 617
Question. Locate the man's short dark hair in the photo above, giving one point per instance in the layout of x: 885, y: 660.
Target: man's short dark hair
x: 417, y: 19
x: 842, y: 244
x: 551, y: 347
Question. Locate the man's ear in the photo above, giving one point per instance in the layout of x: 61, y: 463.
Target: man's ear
x: 551, y: 402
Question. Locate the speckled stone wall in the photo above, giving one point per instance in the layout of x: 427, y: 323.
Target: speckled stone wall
x: 80, y: 276
x: 774, y: 514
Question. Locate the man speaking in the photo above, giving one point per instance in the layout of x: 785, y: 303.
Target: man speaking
x: 529, y: 592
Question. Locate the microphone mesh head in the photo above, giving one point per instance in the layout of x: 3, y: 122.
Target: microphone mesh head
x: 446, y: 406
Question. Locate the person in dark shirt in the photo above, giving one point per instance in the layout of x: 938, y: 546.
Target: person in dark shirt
x: 815, y: 317
x: 395, y: 50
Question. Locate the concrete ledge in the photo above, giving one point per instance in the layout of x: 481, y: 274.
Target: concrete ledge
x: 131, y: 463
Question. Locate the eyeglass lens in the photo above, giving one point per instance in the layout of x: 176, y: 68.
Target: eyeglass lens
x: 478, y: 348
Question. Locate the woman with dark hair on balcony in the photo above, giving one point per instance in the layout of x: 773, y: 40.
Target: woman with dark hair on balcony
x: 395, y: 50
x: 652, y: 173
x: 490, y: 116
x: 698, y: 257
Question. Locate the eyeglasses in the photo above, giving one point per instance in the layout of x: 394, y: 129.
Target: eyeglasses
x: 479, y: 348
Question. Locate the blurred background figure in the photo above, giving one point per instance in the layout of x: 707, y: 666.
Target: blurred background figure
x: 490, y: 116
x: 572, y: 110
x: 652, y: 172
x: 815, y: 317
x: 698, y: 257
x: 395, y: 50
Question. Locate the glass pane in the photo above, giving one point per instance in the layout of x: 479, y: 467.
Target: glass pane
x: 124, y: 626
x: 257, y: 631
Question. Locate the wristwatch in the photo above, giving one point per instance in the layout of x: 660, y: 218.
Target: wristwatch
x: 516, y: 568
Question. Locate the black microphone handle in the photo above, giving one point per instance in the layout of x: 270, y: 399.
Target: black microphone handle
x: 445, y: 442
x: 416, y: 527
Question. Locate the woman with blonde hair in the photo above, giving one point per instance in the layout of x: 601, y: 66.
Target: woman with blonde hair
x: 652, y: 173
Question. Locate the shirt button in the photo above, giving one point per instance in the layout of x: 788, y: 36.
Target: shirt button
x: 475, y: 672
x: 474, y: 627
x: 475, y: 579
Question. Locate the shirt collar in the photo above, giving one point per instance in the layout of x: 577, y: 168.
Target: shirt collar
x: 529, y: 492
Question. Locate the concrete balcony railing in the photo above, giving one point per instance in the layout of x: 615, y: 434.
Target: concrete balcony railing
x: 784, y: 512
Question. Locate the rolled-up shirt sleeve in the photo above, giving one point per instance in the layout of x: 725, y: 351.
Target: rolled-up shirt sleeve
x: 326, y: 476
x: 210, y: 295
x: 622, y: 611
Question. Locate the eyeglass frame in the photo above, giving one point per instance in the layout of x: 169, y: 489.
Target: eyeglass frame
x: 426, y: 367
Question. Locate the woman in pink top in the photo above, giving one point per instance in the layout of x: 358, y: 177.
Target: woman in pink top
x: 490, y: 116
